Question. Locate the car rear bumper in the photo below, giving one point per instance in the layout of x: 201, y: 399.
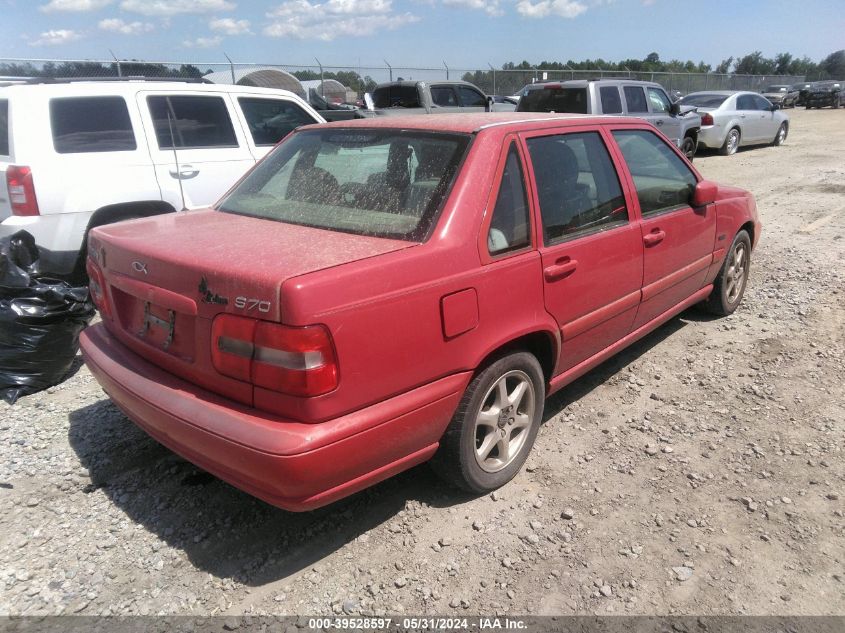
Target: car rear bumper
x: 292, y: 465
x: 712, y: 136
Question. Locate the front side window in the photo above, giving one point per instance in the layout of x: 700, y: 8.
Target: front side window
x: 379, y: 182
x: 611, y: 102
x: 91, y: 124
x: 662, y: 179
x: 271, y: 120
x: 444, y: 96
x: 471, y: 98
x: 509, y: 226
x: 762, y: 103
x: 577, y: 185
x: 635, y: 97
x: 659, y: 101
x: 4, y: 127
x: 191, y: 122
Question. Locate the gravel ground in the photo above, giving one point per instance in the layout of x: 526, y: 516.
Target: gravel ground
x: 699, y: 472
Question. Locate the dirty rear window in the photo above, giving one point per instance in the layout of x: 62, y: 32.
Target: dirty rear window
x: 554, y: 99
x: 384, y: 183
x: 704, y: 100
x: 396, y: 97
x: 4, y: 127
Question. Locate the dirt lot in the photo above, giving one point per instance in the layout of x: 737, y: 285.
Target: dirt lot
x: 700, y: 472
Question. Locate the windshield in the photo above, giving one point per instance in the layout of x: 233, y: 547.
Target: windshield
x: 703, y: 100
x: 384, y: 183
x: 554, y: 99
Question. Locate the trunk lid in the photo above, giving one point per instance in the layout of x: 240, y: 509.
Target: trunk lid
x: 168, y: 276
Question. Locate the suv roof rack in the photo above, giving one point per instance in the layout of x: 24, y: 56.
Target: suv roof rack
x: 67, y: 80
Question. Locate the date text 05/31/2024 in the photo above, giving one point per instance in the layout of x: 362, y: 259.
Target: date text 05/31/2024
x: 418, y: 624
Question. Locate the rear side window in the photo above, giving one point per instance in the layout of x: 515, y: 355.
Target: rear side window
x: 191, y: 122
x: 271, y: 120
x: 745, y: 102
x: 4, y: 128
x: 509, y: 226
x: 554, y: 99
x: 396, y: 97
x: 577, y: 186
x: 611, y: 103
x: 635, y: 96
x: 91, y: 124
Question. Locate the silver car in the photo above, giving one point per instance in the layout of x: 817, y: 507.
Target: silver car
x: 730, y: 120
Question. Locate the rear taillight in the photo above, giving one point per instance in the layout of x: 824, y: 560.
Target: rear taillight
x: 21, y: 190
x: 706, y: 119
x: 298, y: 361
x: 97, y: 287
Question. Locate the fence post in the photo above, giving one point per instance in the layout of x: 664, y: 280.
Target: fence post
x: 390, y: 68
x: 494, y: 77
x: 322, y: 85
x: 231, y: 68
x: 117, y: 63
x: 447, y: 70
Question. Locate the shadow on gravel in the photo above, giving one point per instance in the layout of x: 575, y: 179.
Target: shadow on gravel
x: 230, y: 534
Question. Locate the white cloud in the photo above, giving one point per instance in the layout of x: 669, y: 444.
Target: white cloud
x: 56, y: 37
x: 490, y: 7
x: 228, y: 26
x: 334, y: 18
x: 74, y: 5
x: 116, y: 25
x: 203, y: 42
x: 174, y: 7
x: 543, y: 8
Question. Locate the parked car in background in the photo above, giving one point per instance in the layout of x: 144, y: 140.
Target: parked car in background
x: 823, y: 94
x: 783, y: 95
x: 621, y: 97
x: 730, y: 120
x: 76, y: 154
x: 406, y: 289
x: 802, y: 88
x: 440, y: 97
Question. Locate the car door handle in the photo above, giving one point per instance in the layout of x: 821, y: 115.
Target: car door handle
x: 654, y: 238
x: 741, y: 116
x: 659, y: 122
x: 185, y: 172
x: 562, y: 268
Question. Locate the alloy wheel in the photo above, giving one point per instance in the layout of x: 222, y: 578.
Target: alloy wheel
x: 735, y: 273
x: 504, y: 421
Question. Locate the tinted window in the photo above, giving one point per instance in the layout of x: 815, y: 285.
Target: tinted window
x: 704, y: 100
x: 577, y: 185
x: 270, y: 120
x: 91, y: 124
x: 554, y: 100
x: 745, y: 102
x: 659, y: 101
x: 611, y: 102
x: 4, y: 128
x: 635, y: 97
x: 471, y: 97
x: 662, y: 179
x: 444, y: 96
x: 396, y: 97
x: 193, y: 122
x: 509, y: 227
x: 386, y: 183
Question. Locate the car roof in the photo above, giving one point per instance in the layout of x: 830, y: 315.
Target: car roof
x: 583, y: 83
x: 414, y: 82
x: 467, y: 123
x: 130, y: 87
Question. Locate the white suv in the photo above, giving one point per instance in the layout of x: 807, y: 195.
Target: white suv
x: 77, y: 154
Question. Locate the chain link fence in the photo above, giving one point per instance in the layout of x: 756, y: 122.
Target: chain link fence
x: 360, y: 79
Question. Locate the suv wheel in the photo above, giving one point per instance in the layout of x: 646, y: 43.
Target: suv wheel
x: 731, y: 143
x: 688, y: 147
x: 494, y: 427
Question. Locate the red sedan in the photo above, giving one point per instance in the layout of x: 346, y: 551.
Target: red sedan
x: 379, y: 293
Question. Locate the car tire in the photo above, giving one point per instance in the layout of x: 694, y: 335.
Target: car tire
x: 688, y: 147
x: 477, y: 451
x: 731, y: 144
x: 780, y: 137
x: 729, y: 286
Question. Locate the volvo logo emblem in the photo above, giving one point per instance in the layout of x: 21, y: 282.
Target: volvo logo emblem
x: 139, y: 267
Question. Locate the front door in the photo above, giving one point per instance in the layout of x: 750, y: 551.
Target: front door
x: 661, y: 115
x: 678, y: 239
x: 591, y: 251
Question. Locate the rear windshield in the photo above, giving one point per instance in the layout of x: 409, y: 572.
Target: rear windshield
x: 384, y: 183
x: 4, y: 127
x: 396, y: 97
x: 776, y: 89
x: 91, y: 124
x: 704, y: 100
x: 554, y: 99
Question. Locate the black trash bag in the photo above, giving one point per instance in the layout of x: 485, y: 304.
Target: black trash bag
x: 40, y: 321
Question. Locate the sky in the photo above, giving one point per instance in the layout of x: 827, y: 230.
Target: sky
x: 423, y: 33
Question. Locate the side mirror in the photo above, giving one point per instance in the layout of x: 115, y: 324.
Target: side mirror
x: 674, y: 108
x: 704, y: 193
x: 775, y: 107
x: 488, y: 105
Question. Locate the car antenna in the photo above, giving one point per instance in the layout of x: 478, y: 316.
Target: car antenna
x: 176, y: 158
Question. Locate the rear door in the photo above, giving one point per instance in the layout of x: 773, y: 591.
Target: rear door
x: 591, y: 250
x: 202, y: 134
x: 678, y: 239
x: 750, y: 120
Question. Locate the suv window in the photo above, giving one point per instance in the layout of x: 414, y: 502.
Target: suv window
x: 444, y: 96
x: 270, y: 120
x: 635, y: 96
x: 611, y: 102
x: 660, y: 103
x: 554, y: 99
x: 470, y: 97
x: 91, y: 124
x: 4, y: 127
x: 195, y: 121
x: 577, y: 185
x: 509, y: 226
x: 662, y: 179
